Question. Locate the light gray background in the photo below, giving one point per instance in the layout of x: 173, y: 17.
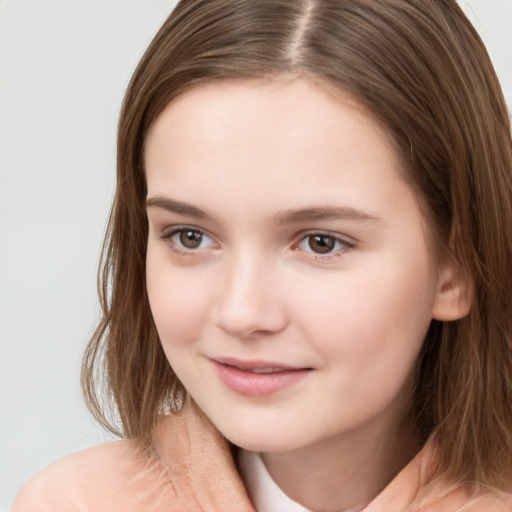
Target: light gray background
x: 64, y: 65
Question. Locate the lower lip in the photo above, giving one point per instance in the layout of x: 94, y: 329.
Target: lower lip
x: 257, y: 384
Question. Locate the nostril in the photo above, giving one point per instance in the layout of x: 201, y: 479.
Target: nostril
x: 249, y: 321
x: 247, y: 305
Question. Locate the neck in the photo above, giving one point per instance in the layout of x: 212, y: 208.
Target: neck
x: 343, y: 473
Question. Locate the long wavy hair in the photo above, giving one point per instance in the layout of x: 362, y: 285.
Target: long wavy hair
x: 419, y: 67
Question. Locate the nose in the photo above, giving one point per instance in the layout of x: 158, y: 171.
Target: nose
x: 249, y: 304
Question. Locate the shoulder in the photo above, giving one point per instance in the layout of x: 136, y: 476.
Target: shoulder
x: 190, y: 466
x: 463, y: 498
x: 114, y: 476
x: 419, y: 488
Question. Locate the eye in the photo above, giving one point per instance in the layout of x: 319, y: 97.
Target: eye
x: 188, y: 239
x: 324, y: 244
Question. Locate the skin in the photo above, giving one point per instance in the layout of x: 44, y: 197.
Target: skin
x: 229, y: 162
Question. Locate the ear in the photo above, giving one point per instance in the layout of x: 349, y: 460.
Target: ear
x: 454, y: 294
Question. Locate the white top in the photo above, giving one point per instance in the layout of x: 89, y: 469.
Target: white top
x: 265, y: 495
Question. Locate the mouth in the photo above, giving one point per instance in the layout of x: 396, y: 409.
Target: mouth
x: 265, y: 370
x: 257, y: 378
x: 257, y: 366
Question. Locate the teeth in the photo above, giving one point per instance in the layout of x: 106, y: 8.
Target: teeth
x: 266, y: 370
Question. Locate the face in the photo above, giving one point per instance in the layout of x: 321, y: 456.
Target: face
x: 287, y: 267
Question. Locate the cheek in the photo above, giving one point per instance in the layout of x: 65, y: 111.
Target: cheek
x: 370, y: 333
x: 179, y: 301
x: 372, y: 312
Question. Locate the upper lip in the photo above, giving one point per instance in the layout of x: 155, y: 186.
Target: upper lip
x: 255, y: 364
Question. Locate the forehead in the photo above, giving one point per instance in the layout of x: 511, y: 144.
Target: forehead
x: 265, y: 128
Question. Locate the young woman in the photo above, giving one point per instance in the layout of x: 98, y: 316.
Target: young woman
x: 306, y: 285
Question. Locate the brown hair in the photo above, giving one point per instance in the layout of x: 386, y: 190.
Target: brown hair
x: 420, y: 68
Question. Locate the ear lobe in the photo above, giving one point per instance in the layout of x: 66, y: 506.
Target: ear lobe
x: 454, y: 295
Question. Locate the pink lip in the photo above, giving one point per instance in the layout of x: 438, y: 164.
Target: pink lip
x: 240, y: 377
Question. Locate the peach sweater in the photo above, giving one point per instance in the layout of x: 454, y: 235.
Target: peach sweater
x: 192, y: 469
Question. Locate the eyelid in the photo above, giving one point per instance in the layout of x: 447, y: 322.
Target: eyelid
x: 347, y: 243
x: 167, y: 233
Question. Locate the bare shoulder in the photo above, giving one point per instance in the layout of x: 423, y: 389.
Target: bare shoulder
x: 112, y: 476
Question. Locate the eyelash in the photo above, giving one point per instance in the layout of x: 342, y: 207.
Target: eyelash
x: 343, y: 243
x: 167, y: 236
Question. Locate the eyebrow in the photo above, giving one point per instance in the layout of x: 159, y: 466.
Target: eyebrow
x: 316, y: 213
x: 310, y: 214
x: 178, y: 207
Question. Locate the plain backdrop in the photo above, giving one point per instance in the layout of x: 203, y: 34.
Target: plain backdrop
x: 64, y: 66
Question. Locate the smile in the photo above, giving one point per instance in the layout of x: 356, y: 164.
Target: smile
x: 257, y: 379
x: 266, y: 370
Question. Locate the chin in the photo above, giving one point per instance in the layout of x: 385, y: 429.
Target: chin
x: 258, y: 440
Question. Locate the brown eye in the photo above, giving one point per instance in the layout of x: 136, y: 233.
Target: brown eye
x: 187, y: 241
x: 190, y: 239
x: 321, y: 244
